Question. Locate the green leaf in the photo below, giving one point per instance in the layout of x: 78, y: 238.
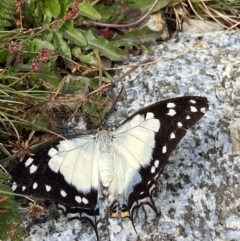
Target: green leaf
x: 27, y: 10
x: 135, y: 37
x: 3, y: 56
x: 144, y: 5
x: 105, y: 48
x: 109, y: 14
x: 72, y: 34
x: 63, y: 7
x: 73, y: 84
x: 33, y: 80
x: 53, y: 7
x: 37, y: 44
x: 86, y: 58
x: 48, y: 35
x: 86, y: 10
x: 96, y: 112
x: 62, y: 46
x: 50, y: 77
x: 47, y: 16
x: 38, y: 14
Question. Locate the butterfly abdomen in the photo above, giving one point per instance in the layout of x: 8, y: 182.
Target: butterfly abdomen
x: 105, y: 158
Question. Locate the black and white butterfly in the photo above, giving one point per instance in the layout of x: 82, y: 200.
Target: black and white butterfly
x: 126, y: 161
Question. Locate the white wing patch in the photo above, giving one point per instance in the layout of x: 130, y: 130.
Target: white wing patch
x: 28, y: 162
x: 172, y: 136
x: 56, y: 161
x: 33, y: 169
x: 35, y: 185
x: 171, y: 105
x: 137, y: 134
x: 164, y: 149
x: 74, y: 155
x: 133, y: 145
x: 52, y: 152
x: 171, y: 112
x: 14, y: 186
x: 192, y: 101
x: 179, y: 124
x: 193, y: 109
x: 140, y: 136
x: 156, y: 163
x: 63, y: 193
x: 48, y: 188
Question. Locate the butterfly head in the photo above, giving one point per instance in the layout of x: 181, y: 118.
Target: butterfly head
x: 102, y: 126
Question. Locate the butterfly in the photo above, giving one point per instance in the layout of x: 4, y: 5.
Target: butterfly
x: 126, y: 161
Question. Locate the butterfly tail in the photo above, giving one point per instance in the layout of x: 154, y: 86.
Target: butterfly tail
x: 90, y: 215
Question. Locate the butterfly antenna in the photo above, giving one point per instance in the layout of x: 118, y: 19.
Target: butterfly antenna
x: 114, y: 103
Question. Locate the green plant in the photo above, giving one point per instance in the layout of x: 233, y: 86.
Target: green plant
x: 6, y: 14
x: 55, y: 42
x: 10, y: 222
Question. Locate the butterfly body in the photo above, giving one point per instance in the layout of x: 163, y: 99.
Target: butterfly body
x: 126, y: 161
x: 105, y: 158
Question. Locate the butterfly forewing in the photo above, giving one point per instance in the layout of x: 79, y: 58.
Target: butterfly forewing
x: 147, y: 138
x: 68, y: 171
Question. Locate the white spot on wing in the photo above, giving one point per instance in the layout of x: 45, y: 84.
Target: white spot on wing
x: 188, y: 117
x: 52, y: 152
x: 164, y: 149
x: 149, y: 115
x: 171, y: 105
x: 56, y: 161
x: 35, y: 185
x: 78, y: 199
x: 172, y: 136
x: 23, y: 188
x: 63, y: 193
x: 156, y: 163
x: 84, y: 200
x: 171, y: 112
x: 193, y: 101
x: 14, y: 186
x: 48, y: 188
x: 28, y: 162
x: 153, y: 169
x: 33, y: 169
x: 179, y: 124
x: 193, y: 109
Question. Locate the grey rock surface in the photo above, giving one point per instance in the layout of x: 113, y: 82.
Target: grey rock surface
x: 199, y: 193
